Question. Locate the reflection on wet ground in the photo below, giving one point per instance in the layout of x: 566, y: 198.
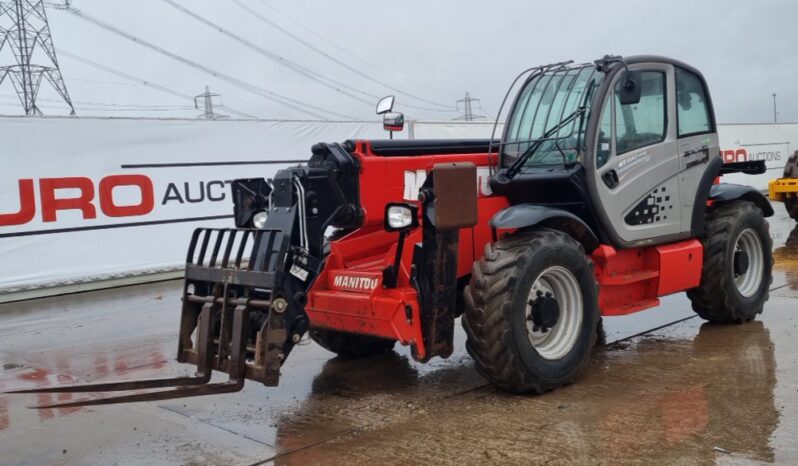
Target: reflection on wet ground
x: 786, y: 259
x: 687, y: 393
x: 684, y: 394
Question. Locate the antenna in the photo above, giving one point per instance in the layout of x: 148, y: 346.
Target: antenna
x: 24, y: 30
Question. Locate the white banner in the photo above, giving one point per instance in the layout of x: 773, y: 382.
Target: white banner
x: 773, y: 143
x: 87, y: 199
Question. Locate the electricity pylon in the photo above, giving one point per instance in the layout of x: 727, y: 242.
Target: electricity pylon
x: 24, y: 30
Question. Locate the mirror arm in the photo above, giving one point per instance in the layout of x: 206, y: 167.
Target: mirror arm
x: 604, y: 63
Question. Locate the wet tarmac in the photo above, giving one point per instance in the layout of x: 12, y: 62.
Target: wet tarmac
x: 664, y: 387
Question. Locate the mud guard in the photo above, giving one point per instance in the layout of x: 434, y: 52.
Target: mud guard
x: 725, y: 192
x: 529, y: 215
x: 449, y: 203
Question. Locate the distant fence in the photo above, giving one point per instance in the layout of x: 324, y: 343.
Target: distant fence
x: 93, y: 202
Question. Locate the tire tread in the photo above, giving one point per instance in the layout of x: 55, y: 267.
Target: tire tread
x: 716, y: 299
x: 488, y: 310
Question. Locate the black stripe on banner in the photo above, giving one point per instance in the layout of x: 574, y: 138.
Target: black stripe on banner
x: 765, y: 144
x: 118, y: 225
x: 211, y: 164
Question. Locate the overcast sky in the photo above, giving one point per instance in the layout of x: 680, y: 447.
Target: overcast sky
x: 433, y: 51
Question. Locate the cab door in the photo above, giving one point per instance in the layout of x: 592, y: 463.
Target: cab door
x: 697, y: 139
x: 637, y: 160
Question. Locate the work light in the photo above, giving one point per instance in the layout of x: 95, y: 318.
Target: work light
x: 259, y: 219
x: 400, y: 216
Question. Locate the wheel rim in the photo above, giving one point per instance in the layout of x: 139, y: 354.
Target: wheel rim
x: 749, y: 280
x: 559, y: 283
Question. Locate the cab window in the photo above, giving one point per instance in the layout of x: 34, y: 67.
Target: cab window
x: 691, y: 104
x: 644, y: 123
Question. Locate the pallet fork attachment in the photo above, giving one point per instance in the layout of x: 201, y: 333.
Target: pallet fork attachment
x: 221, y: 326
x: 243, y: 305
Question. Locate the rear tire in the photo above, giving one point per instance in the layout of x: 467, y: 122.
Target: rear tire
x: 500, y: 322
x: 350, y: 345
x: 734, y: 289
x: 791, y: 199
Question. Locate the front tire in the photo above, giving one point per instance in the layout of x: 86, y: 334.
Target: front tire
x: 738, y: 262
x: 524, y: 284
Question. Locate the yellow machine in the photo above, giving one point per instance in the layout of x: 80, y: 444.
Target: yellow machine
x: 786, y: 189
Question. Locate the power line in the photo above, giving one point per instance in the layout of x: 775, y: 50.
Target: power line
x: 124, y: 75
x: 347, y: 52
x: 485, y: 109
x: 339, y: 62
x: 326, y: 81
x: 99, y: 81
x: 141, y: 81
x: 105, y: 109
x: 109, y: 104
x: 281, y: 99
x: 332, y: 84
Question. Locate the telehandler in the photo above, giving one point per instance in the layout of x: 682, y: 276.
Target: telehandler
x: 602, y: 195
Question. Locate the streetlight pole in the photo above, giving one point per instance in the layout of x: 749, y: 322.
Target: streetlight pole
x: 775, y: 119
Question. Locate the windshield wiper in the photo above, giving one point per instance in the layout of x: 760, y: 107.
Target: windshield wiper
x: 513, y: 169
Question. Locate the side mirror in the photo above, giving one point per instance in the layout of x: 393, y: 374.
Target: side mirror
x: 385, y: 105
x: 631, y: 87
x: 393, y: 122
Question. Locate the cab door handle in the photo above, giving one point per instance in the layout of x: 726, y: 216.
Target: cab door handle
x: 610, y: 178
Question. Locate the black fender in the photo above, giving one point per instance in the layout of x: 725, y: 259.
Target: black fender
x: 531, y: 215
x: 698, y: 219
x: 725, y: 192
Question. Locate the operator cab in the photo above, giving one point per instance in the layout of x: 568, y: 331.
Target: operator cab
x: 619, y: 143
